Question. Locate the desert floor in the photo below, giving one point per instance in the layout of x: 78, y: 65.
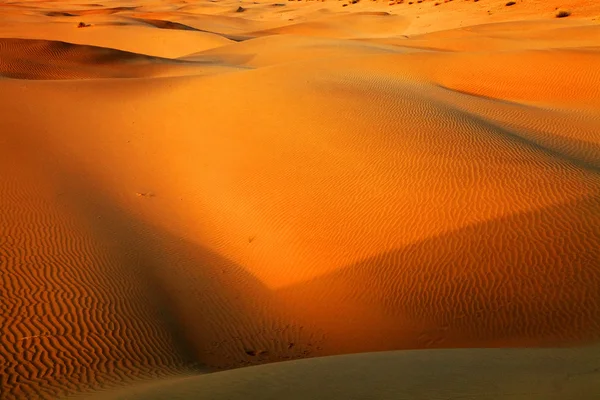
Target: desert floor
x: 191, y: 186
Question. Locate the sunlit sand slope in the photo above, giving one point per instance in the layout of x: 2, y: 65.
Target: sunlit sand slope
x: 189, y: 187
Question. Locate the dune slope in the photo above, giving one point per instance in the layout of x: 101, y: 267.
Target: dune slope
x: 500, y: 374
x: 190, y: 187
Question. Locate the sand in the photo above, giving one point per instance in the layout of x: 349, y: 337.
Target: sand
x: 481, y: 374
x: 190, y: 187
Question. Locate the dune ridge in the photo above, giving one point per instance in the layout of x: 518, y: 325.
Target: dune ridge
x: 187, y: 187
x: 61, y: 60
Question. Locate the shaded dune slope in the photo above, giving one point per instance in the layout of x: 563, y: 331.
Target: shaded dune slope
x: 79, y: 308
x: 166, y: 24
x: 439, y: 288
x: 355, y: 25
x: 429, y: 374
x: 93, y: 11
x: 44, y: 59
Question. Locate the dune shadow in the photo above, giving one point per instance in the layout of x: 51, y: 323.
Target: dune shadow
x: 499, y: 374
x: 164, y: 24
x: 159, y: 304
x: 528, y: 279
x: 60, y: 14
x: 94, y: 11
x: 580, y: 153
x: 50, y: 59
x: 196, y: 293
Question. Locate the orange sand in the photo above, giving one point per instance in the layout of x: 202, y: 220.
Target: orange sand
x: 185, y: 187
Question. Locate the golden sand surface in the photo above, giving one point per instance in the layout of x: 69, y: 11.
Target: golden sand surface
x: 189, y: 186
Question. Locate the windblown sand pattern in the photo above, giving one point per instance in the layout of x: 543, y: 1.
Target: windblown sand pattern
x: 192, y: 186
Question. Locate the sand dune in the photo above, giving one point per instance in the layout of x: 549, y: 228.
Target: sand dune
x: 60, y: 60
x: 188, y: 187
x: 423, y: 374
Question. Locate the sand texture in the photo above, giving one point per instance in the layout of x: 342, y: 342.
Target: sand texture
x: 197, y: 186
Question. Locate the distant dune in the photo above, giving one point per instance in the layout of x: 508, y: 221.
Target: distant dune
x: 189, y: 187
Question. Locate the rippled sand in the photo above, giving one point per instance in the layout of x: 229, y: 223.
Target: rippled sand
x: 192, y: 186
